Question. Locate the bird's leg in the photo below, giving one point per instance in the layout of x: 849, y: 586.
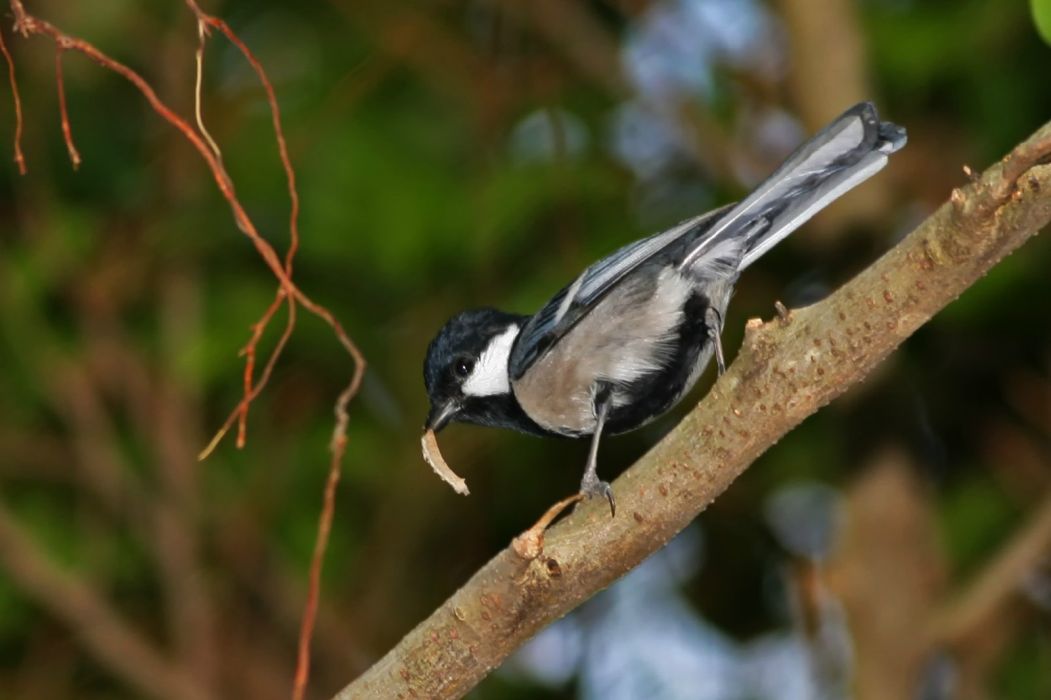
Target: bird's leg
x: 591, y: 485
x: 713, y: 321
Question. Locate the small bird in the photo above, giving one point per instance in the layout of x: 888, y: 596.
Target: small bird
x: 624, y: 341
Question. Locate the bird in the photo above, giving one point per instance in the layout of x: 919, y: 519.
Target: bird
x: 622, y: 343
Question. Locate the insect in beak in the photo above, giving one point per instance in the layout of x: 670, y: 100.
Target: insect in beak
x: 436, y: 420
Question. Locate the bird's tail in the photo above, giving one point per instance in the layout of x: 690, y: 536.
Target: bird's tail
x: 841, y: 156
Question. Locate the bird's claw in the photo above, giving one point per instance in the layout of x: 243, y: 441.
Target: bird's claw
x: 593, y: 486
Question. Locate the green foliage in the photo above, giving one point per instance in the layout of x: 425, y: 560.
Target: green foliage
x: 1042, y: 17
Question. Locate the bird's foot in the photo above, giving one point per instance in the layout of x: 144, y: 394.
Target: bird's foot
x: 714, y: 322
x: 591, y: 486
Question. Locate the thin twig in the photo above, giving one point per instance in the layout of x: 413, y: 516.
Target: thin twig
x: 67, y: 131
x: 339, y: 439
x: 202, y: 33
x: 287, y: 291
x: 338, y: 448
x: 275, y: 115
x: 28, y: 24
x: 306, y: 629
x: 338, y: 445
x: 19, y: 157
x: 249, y: 351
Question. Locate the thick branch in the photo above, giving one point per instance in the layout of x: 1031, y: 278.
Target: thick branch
x: 786, y: 370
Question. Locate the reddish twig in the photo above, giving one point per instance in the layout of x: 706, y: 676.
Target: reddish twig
x: 19, y: 158
x: 248, y: 351
x: 67, y: 132
x: 338, y: 446
x: 275, y: 114
x: 240, y: 414
x: 27, y: 24
x: 324, y: 528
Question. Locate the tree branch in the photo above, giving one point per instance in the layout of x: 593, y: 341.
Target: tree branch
x: 787, y: 369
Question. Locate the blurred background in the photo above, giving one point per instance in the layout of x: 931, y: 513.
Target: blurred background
x: 455, y: 154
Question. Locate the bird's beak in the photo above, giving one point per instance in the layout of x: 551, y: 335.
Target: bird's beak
x: 440, y: 415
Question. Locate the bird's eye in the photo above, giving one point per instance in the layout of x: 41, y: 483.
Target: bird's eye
x: 463, y: 367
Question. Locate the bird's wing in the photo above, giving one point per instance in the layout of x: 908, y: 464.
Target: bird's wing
x: 577, y: 299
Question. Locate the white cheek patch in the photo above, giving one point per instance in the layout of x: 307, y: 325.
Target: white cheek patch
x: 489, y: 376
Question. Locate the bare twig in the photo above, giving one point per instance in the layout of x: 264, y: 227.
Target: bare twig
x: 202, y: 34
x: 240, y: 414
x: 339, y: 435
x: 306, y: 629
x: 20, y: 159
x: 288, y: 292
x: 784, y: 373
x: 275, y: 114
x: 530, y: 544
x: 28, y: 24
x: 67, y: 131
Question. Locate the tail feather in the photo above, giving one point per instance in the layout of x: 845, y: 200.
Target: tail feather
x: 841, y: 156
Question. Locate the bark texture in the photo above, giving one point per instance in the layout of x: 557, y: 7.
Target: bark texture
x: 787, y: 369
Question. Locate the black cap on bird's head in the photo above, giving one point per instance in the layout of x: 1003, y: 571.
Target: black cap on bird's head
x: 465, y: 370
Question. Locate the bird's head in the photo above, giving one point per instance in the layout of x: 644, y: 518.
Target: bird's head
x: 465, y: 371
